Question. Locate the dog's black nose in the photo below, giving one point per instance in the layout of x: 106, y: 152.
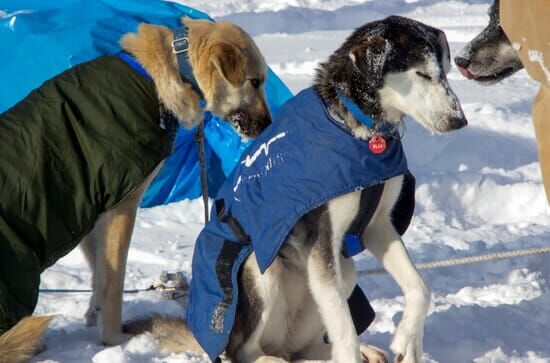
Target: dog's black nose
x: 462, y: 62
x: 456, y: 123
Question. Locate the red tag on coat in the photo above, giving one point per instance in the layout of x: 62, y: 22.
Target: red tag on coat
x: 377, y: 145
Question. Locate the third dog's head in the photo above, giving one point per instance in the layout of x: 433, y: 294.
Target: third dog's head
x: 394, y: 67
x: 231, y: 72
x: 489, y: 57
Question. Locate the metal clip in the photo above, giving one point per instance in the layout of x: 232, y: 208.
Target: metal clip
x: 400, y: 130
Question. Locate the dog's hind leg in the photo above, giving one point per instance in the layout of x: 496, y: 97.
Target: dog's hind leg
x: 263, y: 319
x: 386, y: 244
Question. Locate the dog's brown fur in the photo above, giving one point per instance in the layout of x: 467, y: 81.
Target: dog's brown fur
x: 225, y: 63
x: 22, y: 341
x: 152, y: 47
x: 176, y: 336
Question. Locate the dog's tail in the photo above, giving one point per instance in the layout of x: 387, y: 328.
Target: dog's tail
x: 22, y: 341
x: 172, y: 334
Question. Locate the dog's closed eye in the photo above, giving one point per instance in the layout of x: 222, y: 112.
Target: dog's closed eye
x: 424, y: 75
x: 255, y: 82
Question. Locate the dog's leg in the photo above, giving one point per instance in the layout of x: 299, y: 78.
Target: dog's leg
x: 386, y: 244
x: 332, y: 303
x: 321, y: 350
x: 111, y: 264
x: 326, y: 277
x: 270, y: 359
x: 267, y: 289
x: 89, y: 246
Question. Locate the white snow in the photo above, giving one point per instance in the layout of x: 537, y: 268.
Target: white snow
x: 479, y: 190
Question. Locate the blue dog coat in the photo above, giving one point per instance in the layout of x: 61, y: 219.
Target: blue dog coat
x: 302, y: 160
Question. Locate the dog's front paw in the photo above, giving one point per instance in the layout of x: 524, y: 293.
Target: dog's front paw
x: 342, y: 354
x: 115, y: 338
x: 407, y: 348
x: 372, y: 354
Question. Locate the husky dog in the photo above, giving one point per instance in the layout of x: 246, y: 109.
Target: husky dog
x: 489, y: 57
x: 230, y: 72
x: 389, y: 69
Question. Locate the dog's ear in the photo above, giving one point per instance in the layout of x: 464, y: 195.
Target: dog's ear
x: 369, y: 57
x: 230, y: 62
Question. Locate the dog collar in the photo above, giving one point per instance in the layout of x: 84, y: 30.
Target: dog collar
x: 180, y: 46
x: 357, y: 113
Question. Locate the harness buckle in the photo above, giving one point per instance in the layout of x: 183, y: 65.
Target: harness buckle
x: 180, y: 45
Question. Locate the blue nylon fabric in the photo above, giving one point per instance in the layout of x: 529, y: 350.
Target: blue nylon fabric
x: 134, y: 64
x: 40, y: 39
x: 302, y: 160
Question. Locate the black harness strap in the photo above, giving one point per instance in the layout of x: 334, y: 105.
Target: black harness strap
x: 199, y: 139
x: 225, y: 263
x: 232, y: 222
x: 368, y: 203
x: 180, y: 45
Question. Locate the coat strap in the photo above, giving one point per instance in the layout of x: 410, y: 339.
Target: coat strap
x: 368, y: 203
x: 232, y: 222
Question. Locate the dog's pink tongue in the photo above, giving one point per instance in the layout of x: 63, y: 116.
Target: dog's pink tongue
x: 466, y: 73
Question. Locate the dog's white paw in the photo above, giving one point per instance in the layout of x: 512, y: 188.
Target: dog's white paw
x: 406, y: 346
x: 372, y: 354
x: 342, y: 355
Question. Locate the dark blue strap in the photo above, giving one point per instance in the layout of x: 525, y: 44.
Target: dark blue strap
x: 357, y: 113
x: 369, y: 200
x: 132, y: 62
x: 181, y: 48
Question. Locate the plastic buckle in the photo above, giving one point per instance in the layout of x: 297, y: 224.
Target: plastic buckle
x: 180, y: 45
x: 352, y: 245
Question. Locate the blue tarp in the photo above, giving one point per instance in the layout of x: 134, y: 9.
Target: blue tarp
x: 39, y: 39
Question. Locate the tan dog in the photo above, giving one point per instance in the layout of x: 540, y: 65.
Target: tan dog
x: 231, y: 73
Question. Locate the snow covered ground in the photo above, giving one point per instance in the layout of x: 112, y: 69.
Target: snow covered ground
x: 478, y: 191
